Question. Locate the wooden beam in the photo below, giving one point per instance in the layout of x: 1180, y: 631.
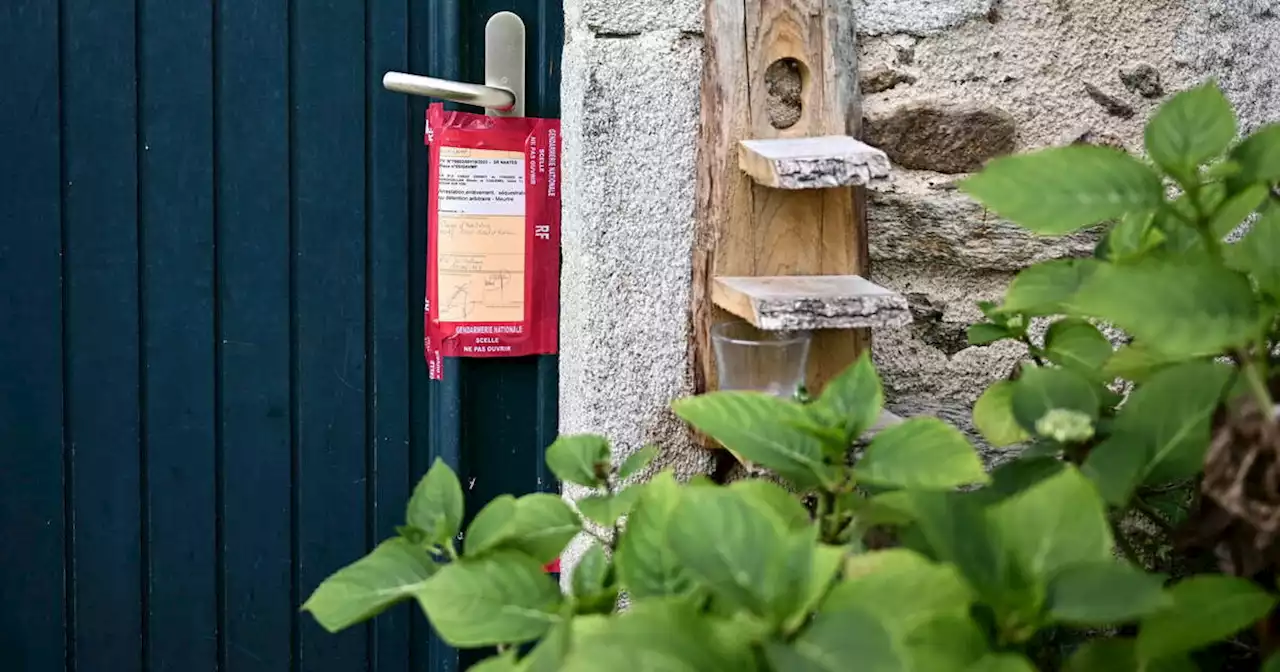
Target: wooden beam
x: 810, y: 302
x: 812, y: 163
x: 775, y: 70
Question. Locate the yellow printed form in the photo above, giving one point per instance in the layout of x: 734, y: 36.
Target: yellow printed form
x: 480, y: 236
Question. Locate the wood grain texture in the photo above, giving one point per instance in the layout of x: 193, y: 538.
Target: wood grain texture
x: 745, y: 229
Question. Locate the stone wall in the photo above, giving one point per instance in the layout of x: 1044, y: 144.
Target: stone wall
x: 947, y: 84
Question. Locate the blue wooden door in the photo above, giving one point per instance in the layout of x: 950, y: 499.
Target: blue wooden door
x: 212, y: 391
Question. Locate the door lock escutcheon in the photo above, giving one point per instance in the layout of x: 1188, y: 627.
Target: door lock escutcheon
x: 502, y: 94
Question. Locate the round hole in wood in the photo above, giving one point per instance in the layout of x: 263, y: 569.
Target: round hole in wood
x: 784, y: 84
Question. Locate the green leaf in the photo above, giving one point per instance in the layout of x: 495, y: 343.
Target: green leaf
x: 1258, y: 156
x: 1059, y: 190
x: 740, y: 566
x: 1016, y: 476
x: 1131, y: 238
x: 1258, y: 253
x: 494, y: 524
x: 851, y: 402
x: 637, y: 461
x: 658, y: 635
x: 1169, y: 416
x: 760, y: 428
x: 363, y: 589
x: 1116, y: 467
x: 591, y: 572
x: 1232, y: 214
x: 945, y: 644
x: 956, y: 529
x: 921, y: 453
x: 785, y: 505
x: 1104, y: 592
x: 1003, y: 662
x: 833, y: 640
x: 1058, y: 522
x: 1187, y: 306
x: 436, y: 505
x: 993, y: 416
x: 828, y: 561
x: 607, y: 509
x: 1045, y: 288
x: 901, y: 588
x: 1272, y: 664
x: 1137, y: 362
x: 986, y: 333
x: 504, y: 597
x: 646, y: 565
x: 581, y: 459
x: 544, y: 525
x: 1077, y: 345
x: 1040, y: 391
x: 505, y: 662
x: 1205, y: 609
x: 1191, y: 128
x: 1104, y: 655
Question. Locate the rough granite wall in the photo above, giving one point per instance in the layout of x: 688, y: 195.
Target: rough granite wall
x: 947, y: 85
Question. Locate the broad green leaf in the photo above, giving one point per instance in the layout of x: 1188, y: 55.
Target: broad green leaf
x: 505, y: 662
x: 785, y: 505
x: 901, y: 588
x: 591, y: 572
x: 659, y: 635
x: 1003, y: 662
x: 1232, y: 213
x: 741, y: 566
x: 495, y: 524
x: 1258, y: 253
x: 1116, y: 467
x: 833, y: 641
x: 1077, y: 345
x: 1188, y: 307
x: 1040, y: 391
x: 955, y: 529
x: 851, y: 402
x: 1137, y: 362
x: 1105, y: 655
x: 1258, y: 156
x: 544, y: 525
x: 1104, y: 592
x: 1205, y: 609
x: 646, y: 566
x: 363, y: 589
x: 1045, y: 288
x: 1189, y: 129
x: 1131, y: 238
x: 760, y: 428
x: 921, y: 453
x: 1058, y: 522
x: 1169, y: 417
x: 986, y: 333
x: 607, y: 509
x: 503, y: 597
x: 436, y: 505
x: 993, y: 416
x: 945, y: 644
x: 1059, y: 190
x: 1016, y: 476
x: 637, y: 461
x: 1272, y: 664
x: 827, y: 563
x: 582, y: 459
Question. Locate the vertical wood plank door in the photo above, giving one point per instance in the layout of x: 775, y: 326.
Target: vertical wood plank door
x: 212, y: 389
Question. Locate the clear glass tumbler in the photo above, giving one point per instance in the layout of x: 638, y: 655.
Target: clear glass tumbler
x: 747, y: 358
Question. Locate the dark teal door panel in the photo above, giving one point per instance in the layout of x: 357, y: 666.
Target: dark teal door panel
x: 212, y: 391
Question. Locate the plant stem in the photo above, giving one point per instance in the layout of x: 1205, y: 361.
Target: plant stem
x: 826, y: 509
x: 1257, y: 384
x: 1122, y: 542
x: 1150, y: 512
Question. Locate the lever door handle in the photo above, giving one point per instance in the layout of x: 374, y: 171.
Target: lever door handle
x: 502, y: 94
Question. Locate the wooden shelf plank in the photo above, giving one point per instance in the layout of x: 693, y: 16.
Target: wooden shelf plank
x: 812, y: 163
x: 806, y: 302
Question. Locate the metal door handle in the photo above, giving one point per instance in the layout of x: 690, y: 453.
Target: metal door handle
x: 502, y: 94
